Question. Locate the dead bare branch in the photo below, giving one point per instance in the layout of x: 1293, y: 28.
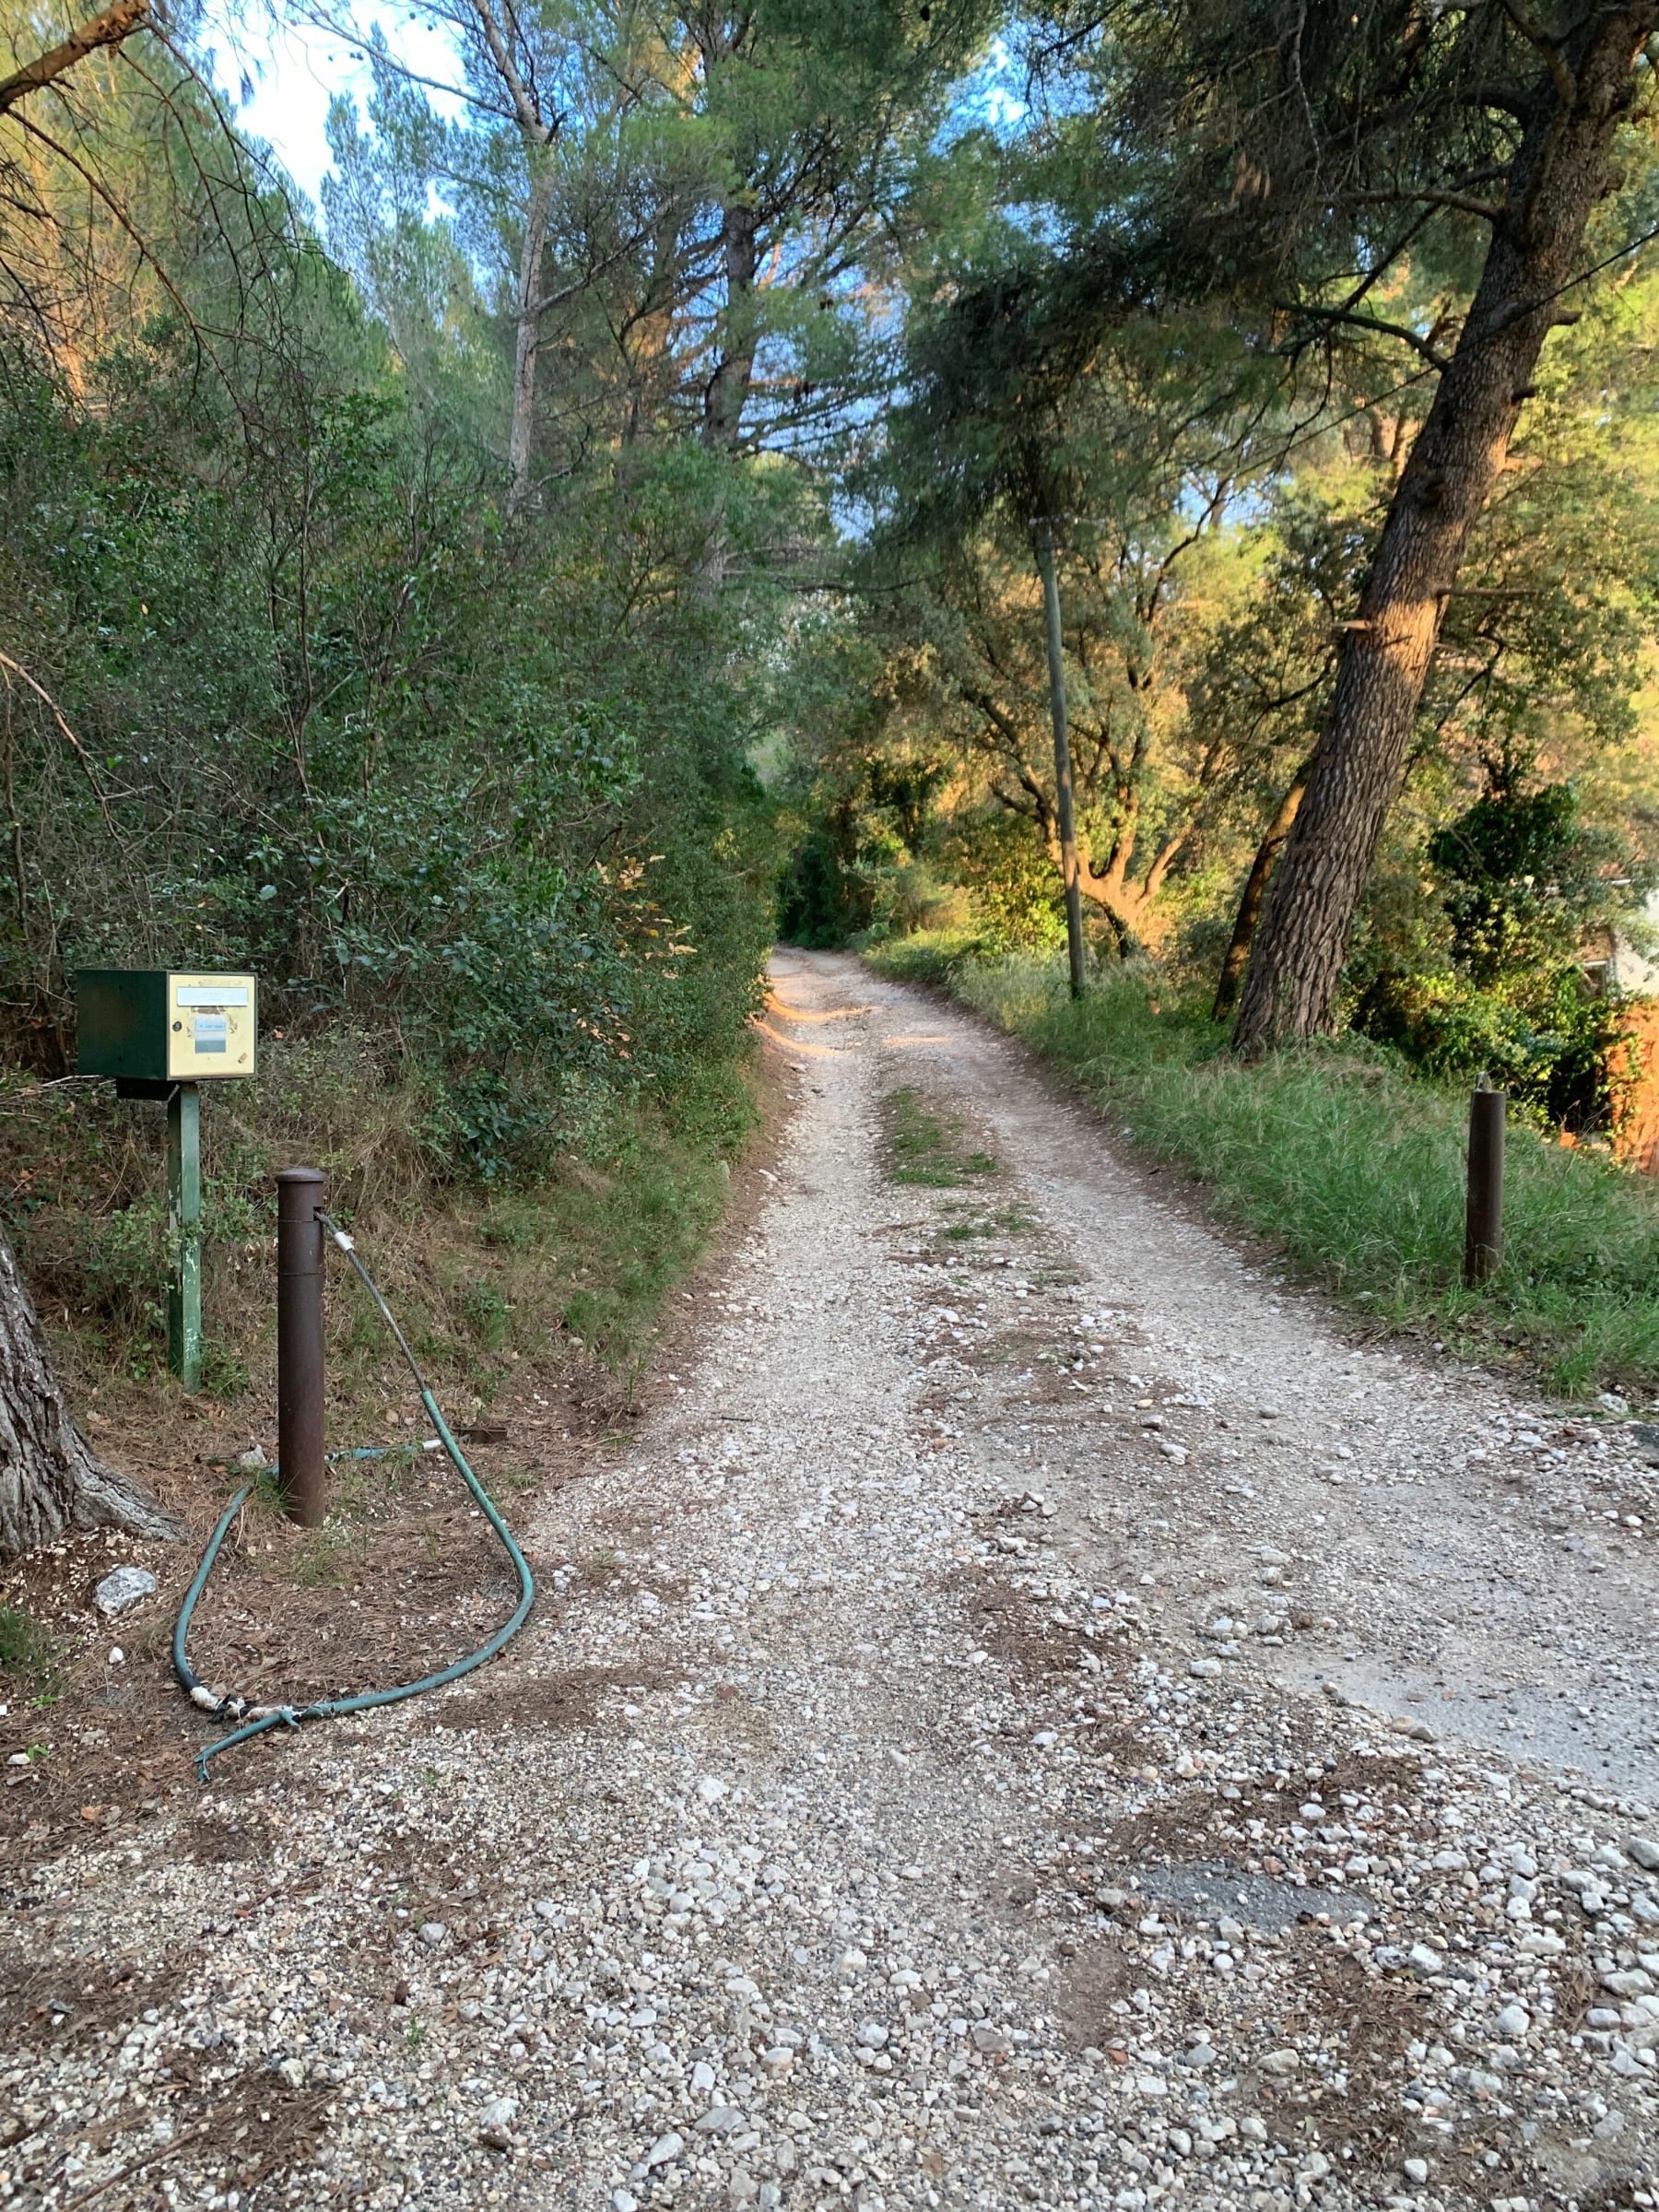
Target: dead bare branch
x: 10, y: 668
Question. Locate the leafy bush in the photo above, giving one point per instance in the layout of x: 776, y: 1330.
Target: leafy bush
x: 485, y: 800
x: 1524, y: 878
x: 1525, y: 882
x: 1017, y: 893
x: 1548, y: 1041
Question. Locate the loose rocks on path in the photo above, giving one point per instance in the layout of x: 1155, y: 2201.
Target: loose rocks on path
x: 1039, y: 1717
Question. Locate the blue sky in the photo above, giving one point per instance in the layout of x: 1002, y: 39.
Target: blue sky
x: 295, y: 73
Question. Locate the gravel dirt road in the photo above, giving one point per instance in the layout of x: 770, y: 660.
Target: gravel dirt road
x: 1040, y: 1714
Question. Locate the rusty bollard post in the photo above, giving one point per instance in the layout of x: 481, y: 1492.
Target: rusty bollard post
x: 299, y: 1193
x: 1483, y: 1222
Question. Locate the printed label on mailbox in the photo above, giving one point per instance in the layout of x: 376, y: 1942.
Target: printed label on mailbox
x: 212, y: 1026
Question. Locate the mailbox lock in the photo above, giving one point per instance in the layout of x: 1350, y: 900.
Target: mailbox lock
x: 154, y: 1027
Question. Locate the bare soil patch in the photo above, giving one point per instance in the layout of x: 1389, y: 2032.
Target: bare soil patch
x: 52, y: 2003
x: 1371, y: 2019
x: 405, y: 1578
x: 1012, y: 1627
x: 565, y: 1700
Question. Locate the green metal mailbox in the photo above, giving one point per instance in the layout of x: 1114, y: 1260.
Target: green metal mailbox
x: 159, y: 1033
x: 156, y: 1027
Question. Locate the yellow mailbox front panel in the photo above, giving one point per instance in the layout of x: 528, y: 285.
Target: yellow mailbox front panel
x: 210, y: 1025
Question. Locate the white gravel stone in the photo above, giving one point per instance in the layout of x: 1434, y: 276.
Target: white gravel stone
x: 901, y: 1838
x: 718, y: 2119
x: 122, y: 1589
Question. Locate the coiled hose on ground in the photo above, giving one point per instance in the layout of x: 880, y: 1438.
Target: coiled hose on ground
x: 256, y: 1719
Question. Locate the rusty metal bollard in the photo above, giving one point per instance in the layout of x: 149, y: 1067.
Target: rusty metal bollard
x: 299, y: 1193
x: 1483, y: 1220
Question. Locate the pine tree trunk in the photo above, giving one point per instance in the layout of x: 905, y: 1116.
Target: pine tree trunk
x: 527, y: 336
x: 1250, y: 902
x: 728, y: 390
x: 1559, y: 174
x: 49, y: 1481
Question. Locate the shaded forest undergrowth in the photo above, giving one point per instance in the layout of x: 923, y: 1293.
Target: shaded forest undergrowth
x: 1351, y: 1165
x: 533, y: 1309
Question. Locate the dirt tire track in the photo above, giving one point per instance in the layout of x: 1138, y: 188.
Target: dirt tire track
x: 878, y: 1809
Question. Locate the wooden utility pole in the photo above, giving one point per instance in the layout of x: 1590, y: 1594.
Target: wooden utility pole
x: 1062, y: 772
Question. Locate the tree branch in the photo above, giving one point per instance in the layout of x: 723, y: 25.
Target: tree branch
x: 8, y: 668
x: 108, y: 29
x: 1563, y: 79
x: 578, y: 285
x: 1502, y: 93
x: 100, y: 192
x: 527, y: 114
x: 1465, y: 203
x: 1403, y: 331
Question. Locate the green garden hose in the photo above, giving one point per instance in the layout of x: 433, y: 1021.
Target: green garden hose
x: 256, y: 1719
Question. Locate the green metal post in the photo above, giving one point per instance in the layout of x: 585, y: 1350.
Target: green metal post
x: 184, y: 1233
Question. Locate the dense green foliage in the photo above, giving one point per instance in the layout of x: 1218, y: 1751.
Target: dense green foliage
x: 1525, y: 885
x: 288, y: 690
x: 1141, y: 340
x: 411, y: 774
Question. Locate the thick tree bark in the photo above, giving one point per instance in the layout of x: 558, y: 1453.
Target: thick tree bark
x: 1250, y: 902
x: 49, y: 1481
x: 1560, y: 172
x: 733, y: 372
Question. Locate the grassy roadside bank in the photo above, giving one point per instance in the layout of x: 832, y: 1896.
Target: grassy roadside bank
x: 1353, y: 1168
x: 484, y: 1275
x: 535, y: 1303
